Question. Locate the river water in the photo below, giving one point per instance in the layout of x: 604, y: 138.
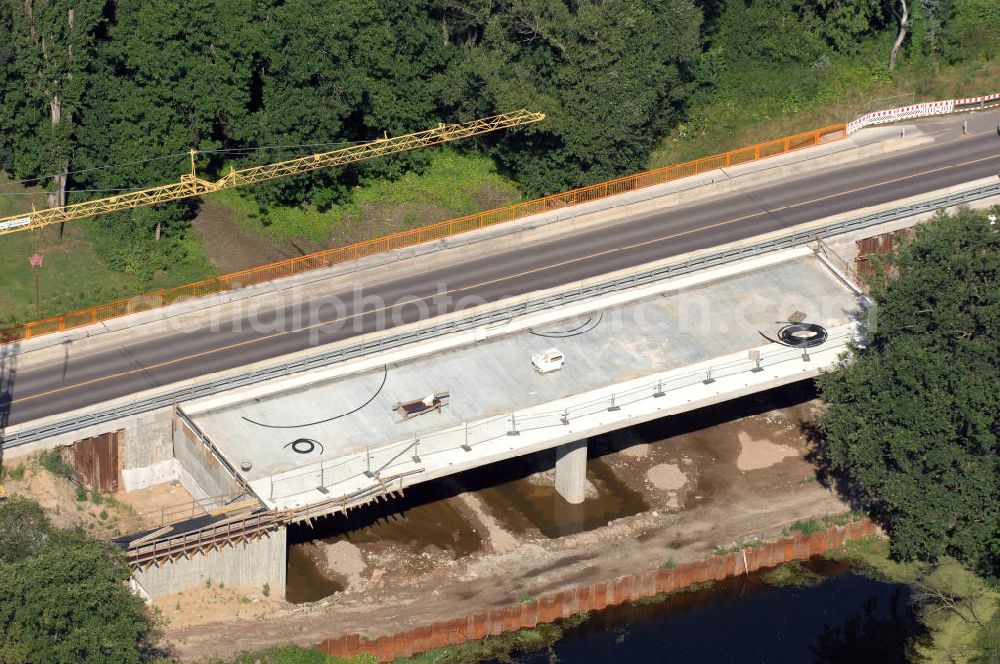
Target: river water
x: 844, y: 619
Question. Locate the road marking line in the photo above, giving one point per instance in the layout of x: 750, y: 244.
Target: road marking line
x: 488, y: 282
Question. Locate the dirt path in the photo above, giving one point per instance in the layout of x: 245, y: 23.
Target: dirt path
x: 699, y: 497
x: 231, y: 249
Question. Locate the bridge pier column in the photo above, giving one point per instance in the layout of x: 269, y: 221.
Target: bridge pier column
x: 571, y: 471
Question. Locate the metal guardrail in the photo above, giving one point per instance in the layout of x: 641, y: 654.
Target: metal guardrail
x: 414, y: 236
x: 466, y: 436
x: 431, y: 331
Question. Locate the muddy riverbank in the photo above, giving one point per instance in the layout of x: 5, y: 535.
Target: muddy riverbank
x: 670, y: 490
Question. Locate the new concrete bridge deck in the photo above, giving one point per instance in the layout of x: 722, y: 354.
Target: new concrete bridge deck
x: 349, y: 434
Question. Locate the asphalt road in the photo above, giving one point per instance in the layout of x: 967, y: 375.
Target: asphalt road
x: 89, y: 379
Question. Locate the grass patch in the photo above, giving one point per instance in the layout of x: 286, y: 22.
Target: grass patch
x: 12, y: 472
x: 291, y: 655
x: 662, y: 597
x: 806, y: 527
x: 453, y: 184
x: 791, y: 574
x: 754, y: 543
x: 870, y: 556
x: 72, y: 276
x: 809, y: 527
x: 111, y: 501
x: 721, y: 124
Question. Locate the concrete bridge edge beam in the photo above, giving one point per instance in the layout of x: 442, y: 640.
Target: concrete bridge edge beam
x: 571, y: 471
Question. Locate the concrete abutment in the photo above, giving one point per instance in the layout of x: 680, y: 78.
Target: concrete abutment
x: 250, y: 563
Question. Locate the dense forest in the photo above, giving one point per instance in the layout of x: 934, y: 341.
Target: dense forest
x: 99, y: 96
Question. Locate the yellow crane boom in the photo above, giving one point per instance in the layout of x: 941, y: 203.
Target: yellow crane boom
x: 191, y: 185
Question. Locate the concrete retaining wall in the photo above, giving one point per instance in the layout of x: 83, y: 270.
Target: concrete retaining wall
x: 248, y: 563
x: 199, y: 470
x: 596, y: 596
x: 149, y: 449
x: 147, y: 452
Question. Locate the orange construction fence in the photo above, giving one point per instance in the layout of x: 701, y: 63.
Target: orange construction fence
x: 328, y: 257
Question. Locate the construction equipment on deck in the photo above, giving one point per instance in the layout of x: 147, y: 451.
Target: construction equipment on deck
x: 191, y: 185
x: 432, y: 402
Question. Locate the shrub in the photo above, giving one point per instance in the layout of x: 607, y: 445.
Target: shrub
x: 807, y: 527
x: 52, y: 461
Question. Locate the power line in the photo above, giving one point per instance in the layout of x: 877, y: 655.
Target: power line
x: 98, y: 168
x: 283, y: 147
x: 179, y: 155
x: 68, y: 191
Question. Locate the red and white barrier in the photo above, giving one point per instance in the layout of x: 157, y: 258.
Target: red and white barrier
x: 922, y: 110
x: 988, y: 100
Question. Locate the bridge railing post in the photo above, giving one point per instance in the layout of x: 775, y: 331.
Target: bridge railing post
x: 465, y: 443
x: 368, y: 462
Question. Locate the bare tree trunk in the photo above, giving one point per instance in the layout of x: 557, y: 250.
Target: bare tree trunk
x: 31, y: 18
x: 57, y: 197
x: 903, y: 20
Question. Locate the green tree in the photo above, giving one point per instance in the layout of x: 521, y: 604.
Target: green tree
x: 335, y: 72
x: 988, y: 642
x: 914, y: 417
x: 845, y: 24
x: 65, y: 597
x: 23, y: 528
x: 956, y: 607
x: 170, y: 77
x: 971, y: 30
x: 51, y: 50
x: 611, y: 76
